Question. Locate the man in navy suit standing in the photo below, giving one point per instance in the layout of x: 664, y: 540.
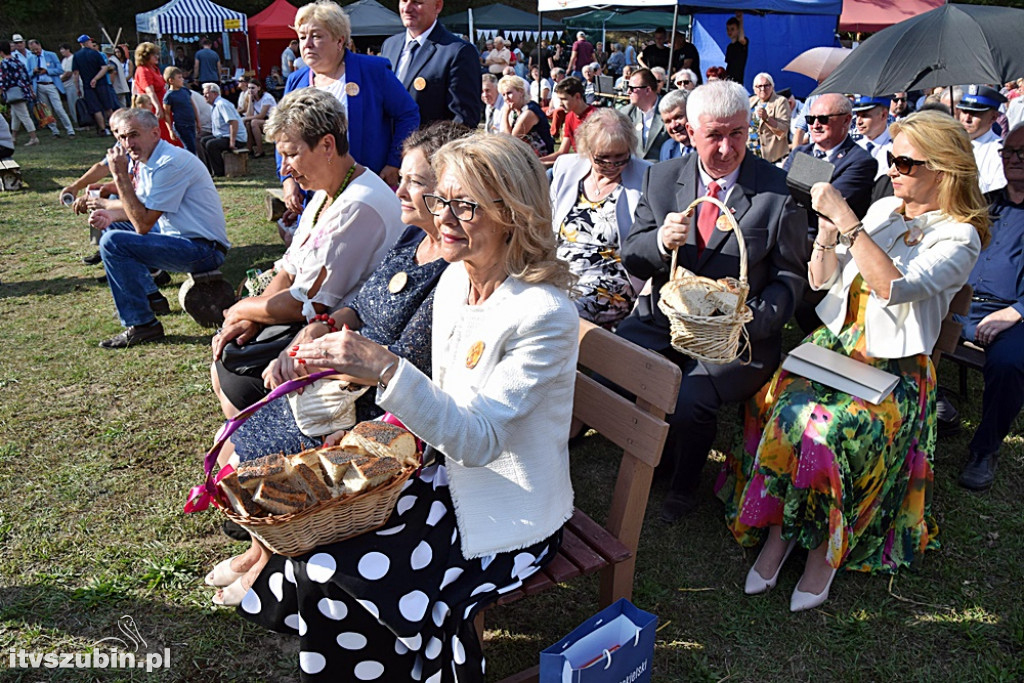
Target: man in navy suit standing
x: 440, y: 71
x: 828, y: 126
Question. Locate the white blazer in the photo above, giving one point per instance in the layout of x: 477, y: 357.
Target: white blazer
x: 933, y: 270
x: 570, y: 169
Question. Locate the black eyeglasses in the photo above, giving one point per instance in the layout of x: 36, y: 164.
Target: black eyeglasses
x: 634, y: 88
x: 765, y: 87
x: 904, y: 164
x: 1010, y: 152
x: 462, y: 209
x: 820, y: 118
x: 611, y: 163
x: 682, y: 83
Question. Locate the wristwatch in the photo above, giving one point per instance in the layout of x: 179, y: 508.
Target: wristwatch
x: 850, y: 236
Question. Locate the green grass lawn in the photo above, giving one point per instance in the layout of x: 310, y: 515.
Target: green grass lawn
x: 98, y: 449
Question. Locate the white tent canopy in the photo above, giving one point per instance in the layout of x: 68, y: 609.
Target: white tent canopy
x: 190, y: 16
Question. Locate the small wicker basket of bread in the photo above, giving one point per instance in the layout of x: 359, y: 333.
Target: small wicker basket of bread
x: 294, y: 503
x: 707, y: 317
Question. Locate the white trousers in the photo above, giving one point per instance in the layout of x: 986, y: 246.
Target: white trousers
x: 20, y: 118
x: 48, y: 93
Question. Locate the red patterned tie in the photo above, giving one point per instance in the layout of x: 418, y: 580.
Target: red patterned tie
x: 707, y: 216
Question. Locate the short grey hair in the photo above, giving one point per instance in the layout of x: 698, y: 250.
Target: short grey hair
x: 717, y: 99
x: 674, y: 100
x: 213, y: 87
x: 143, y: 117
x: 605, y: 125
x: 489, y: 78
x: 766, y: 76
x: 310, y: 114
x: 557, y: 71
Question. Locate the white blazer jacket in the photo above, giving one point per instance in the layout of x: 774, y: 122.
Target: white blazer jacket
x: 933, y: 270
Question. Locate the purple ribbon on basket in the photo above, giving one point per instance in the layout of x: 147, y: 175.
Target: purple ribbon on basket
x: 200, y: 497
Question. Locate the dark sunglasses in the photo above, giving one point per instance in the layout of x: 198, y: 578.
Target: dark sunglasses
x: 682, y: 83
x: 899, y: 99
x: 611, y: 163
x: 904, y: 164
x: 634, y: 88
x: 820, y: 118
x: 1010, y: 152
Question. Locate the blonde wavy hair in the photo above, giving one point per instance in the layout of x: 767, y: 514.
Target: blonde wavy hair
x: 604, y: 128
x: 947, y: 149
x: 506, y: 168
x: 329, y: 15
x: 143, y: 52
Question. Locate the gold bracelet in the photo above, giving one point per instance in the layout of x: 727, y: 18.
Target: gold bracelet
x: 823, y: 247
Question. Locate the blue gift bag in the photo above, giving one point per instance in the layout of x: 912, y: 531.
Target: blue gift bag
x: 614, y: 646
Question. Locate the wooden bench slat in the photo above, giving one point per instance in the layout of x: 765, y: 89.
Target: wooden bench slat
x: 618, y: 420
x: 598, y: 538
x: 579, y: 553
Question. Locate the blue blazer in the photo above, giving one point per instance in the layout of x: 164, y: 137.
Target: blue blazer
x: 854, y: 175
x: 450, y: 71
x: 380, y: 115
x: 49, y: 61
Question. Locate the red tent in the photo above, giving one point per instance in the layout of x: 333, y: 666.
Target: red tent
x: 869, y: 16
x: 269, y: 34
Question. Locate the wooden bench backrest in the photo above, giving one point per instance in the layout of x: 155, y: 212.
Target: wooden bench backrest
x: 638, y: 427
x: 949, y: 333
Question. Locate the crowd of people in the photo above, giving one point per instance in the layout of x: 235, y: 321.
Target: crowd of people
x: 452, y: 223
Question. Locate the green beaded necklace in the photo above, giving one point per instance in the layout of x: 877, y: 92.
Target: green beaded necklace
x: 344, y: 184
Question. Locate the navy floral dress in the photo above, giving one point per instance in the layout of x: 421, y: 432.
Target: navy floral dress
x: 399, y: 320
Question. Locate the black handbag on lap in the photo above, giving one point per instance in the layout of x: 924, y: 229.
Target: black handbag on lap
x: 255, y: 355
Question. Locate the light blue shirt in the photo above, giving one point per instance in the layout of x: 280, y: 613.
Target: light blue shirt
x: 49, y: 61
x: 177, y: 183
x: 223, y: 113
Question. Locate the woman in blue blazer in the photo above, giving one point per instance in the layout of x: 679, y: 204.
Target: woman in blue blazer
x: 381, y: 113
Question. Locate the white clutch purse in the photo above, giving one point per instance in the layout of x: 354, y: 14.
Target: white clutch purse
x: 325, y: 406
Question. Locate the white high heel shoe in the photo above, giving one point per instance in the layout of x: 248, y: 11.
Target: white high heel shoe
x: 804, y: 601
x: 758, y: 584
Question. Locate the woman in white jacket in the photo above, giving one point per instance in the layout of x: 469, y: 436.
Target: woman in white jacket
x: 848, y: 480
x: 398, y: 603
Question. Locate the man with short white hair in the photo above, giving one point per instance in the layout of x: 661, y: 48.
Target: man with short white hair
x: 493, y: 103
x: 176, y: 223
x: 769, y: 120
x: 773, y: 229
x: 226, y: 131
x: 672, y: 110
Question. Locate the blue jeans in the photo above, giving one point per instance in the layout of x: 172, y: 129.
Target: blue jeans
x: 128, y: 256
x: 188, y: 136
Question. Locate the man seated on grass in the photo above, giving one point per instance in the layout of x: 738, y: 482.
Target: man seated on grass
x: 176, y: 218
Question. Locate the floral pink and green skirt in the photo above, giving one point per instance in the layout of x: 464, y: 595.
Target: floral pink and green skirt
x: 827, y: 466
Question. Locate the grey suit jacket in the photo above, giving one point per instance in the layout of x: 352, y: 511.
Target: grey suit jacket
x: 774, y: 230
x: 656, y: 136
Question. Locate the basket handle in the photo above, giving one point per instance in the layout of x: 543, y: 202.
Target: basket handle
x: 200, y: 497
x: 730, y: 225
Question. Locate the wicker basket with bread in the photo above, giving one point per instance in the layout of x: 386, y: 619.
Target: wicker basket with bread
x: 707, y: 317
x: 294, y: 503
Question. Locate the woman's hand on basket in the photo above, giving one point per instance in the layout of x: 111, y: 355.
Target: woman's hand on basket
x: 285, y: 367
x: 334, y: 438
x: 674, y: 230
x: 358, y: 359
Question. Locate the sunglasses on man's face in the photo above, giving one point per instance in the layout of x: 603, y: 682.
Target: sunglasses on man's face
x: 823, y: 119
x: 634, y: 88
x: 904, y: 164
x: 899, y: 99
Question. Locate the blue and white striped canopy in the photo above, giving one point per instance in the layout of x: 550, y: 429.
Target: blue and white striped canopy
x: 190, y: 16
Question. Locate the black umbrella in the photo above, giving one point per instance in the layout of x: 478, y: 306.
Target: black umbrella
x: 950, y: 45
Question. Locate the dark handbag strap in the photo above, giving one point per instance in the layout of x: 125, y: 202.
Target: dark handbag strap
x: 200, y: 497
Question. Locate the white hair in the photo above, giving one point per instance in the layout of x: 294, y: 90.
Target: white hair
x: 213, y: 87
x: 675, y: 99
x: 766, y: 76
x: 716, y: 99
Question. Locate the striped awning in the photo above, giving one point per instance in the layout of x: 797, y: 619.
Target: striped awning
x: 190, y: 16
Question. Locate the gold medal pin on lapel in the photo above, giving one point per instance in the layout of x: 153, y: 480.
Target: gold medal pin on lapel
x: 420, y: 83
x: 473, y: 357
x: 351, y: 89
x: 398, y: 282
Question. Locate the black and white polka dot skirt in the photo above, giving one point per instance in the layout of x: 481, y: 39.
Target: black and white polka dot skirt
x: 394, y: 604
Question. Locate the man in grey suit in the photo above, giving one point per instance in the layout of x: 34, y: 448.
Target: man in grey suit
x: 773, y: 229
x: 440, y: 71
x: 643, y: 112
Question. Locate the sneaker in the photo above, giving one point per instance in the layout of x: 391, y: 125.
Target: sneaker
x: 159, y: 304
x: 161, y: 278
x: 135, y: 335
x: 93, y: 259
x: 33, y: 141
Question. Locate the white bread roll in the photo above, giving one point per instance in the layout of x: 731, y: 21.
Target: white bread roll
x: 383, y: 440
x: 240, y: 498
x: 335, y: 462
x: 273, y: 467
x: 281, y: 498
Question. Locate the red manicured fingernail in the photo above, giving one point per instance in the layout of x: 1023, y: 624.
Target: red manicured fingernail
x: 302, y: 362
x: 291, y: 353
x: 345, y: 327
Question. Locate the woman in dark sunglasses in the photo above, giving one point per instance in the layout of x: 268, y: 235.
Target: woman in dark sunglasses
x: 848, y: 480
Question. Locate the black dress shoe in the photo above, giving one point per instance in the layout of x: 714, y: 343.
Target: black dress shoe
x: 676, y: 506
x: 159, y: 304
x: 133, y: 336
x: 161, y: 278
x: 93, y: 260
x: 980, y: 472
